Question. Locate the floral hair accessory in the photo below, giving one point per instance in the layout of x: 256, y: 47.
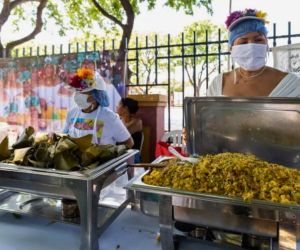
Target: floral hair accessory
x: 238, y: 16
x: 83, y: 80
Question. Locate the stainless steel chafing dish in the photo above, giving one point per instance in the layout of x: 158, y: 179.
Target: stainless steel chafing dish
x: 23, y: 186
x: 266, y: 127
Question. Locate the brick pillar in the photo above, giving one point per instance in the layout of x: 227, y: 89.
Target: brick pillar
x: 151, y: 112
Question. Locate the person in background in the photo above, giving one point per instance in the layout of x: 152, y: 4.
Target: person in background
x: 247, y: 38
x: 91, y: 115
x: 127, y: 110
x: 249, y: 49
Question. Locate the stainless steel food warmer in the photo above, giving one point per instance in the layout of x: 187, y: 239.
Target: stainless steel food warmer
x: 37, y: 192
x: 266, y: 127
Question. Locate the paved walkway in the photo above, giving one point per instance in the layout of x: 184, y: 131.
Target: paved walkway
x: 130, y: 231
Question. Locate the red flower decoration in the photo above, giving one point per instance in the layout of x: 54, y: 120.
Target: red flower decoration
x: 76, y: 82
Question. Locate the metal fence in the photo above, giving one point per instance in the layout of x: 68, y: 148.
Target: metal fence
x: 170, y: 66
x: 212, y: 58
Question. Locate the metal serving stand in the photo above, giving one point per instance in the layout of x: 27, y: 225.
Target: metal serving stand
x: 266, y: 127
x: 37, y: 192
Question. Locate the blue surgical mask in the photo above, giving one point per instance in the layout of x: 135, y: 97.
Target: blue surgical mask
x: 250, y: 56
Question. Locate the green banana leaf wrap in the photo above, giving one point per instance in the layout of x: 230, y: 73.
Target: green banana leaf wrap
x: 56, y: 151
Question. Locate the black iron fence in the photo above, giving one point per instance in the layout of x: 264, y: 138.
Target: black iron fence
x: 174, y: 67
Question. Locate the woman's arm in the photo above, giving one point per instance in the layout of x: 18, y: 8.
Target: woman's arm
x: 128, y: 143
x: 120, y: 132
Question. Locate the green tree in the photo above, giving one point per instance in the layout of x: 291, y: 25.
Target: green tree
x: 146, y: 55
x: 36, y: 12
x: 121, y: 13
x: 196, y: 33
x: 111, y: 13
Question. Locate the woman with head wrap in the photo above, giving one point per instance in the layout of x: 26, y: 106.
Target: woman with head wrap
x: 91, y: 115
x: 249, y: 47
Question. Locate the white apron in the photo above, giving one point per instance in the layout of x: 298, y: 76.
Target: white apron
x: 76, y: 132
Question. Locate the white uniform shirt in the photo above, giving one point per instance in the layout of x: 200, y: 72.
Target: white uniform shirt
x: 289, y: 86
x: 105, y: 125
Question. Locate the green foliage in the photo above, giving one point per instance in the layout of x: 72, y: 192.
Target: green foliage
x: 20, y: 14
x: 188, y: 5
x: 200, y: 32
x: 146, y: 57
x: 54, y: 12
x: 84, y: 14
x: 192, y: 41
x: 25, y: 14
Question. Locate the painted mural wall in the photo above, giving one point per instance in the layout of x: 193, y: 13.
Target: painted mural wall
x: 32, y: 90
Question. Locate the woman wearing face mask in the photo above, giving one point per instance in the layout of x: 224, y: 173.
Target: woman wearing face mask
x: 249, y: 49
x: 91, y: 115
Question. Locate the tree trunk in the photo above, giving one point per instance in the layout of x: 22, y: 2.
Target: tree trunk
x: 37, y: 29
x: 121, y: 67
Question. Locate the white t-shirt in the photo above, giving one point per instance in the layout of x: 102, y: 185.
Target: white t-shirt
x: 105, y: 125
x: 289, y: 86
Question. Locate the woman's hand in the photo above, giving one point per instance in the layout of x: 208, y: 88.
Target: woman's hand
x: 128, y: 143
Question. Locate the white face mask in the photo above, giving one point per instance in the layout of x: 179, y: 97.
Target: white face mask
x: 81, y: 100
x: 250, y: 56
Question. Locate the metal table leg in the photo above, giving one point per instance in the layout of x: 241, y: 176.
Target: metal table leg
x: 87, y: 199
x: 287, y: 238
x: 166, y: 222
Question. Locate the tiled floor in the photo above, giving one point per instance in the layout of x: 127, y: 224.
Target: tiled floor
x: 131, y: 231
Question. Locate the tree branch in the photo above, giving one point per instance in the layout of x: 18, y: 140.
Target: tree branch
x: 8, y: 7
x: 106, y: 14
x: 201, y: 72
x: 4, y: 13
x: 127, y: 28
x: 188, y: 73
x: 15, y: 3
x: 128, y: 9
x: 209, y: 73
x: 37, y: 29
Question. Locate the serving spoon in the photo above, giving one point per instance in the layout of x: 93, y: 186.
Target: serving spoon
x: 182, y: 158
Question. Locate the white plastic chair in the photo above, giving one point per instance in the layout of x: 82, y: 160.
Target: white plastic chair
x: 173, y: 137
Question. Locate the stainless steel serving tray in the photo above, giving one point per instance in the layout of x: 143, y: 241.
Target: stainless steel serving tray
x: 256, y: 217
x: 84, y: 186
x: 137, y: 184
x: 266, y: 127
x: 82, y: 174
